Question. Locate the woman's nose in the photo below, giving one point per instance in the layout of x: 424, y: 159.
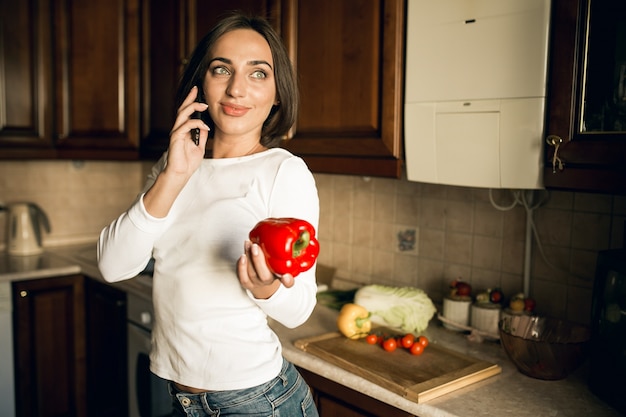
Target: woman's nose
x: 236, y: 85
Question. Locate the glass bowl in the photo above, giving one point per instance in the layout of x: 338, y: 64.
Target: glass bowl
x: 542, y: 347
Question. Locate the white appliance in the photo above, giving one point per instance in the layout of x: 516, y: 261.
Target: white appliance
x: 475, y: 92
x: 148, y: 394
x: 7, y: 388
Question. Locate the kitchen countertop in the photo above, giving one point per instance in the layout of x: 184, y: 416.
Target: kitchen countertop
x: 65, y: 260
x: 509, y: 393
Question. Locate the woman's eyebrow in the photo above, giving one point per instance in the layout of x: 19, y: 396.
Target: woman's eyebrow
x: 260, y: 62
x: 251, y: 63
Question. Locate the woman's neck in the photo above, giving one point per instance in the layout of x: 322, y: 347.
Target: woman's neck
x: 222, y: 149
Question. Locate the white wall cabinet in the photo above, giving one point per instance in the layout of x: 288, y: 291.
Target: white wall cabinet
x: 475, y: 92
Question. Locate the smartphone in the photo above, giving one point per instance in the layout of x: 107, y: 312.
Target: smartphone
x: 195, y: 133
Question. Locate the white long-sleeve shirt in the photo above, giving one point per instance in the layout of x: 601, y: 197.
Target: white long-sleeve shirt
x: 209, y: 332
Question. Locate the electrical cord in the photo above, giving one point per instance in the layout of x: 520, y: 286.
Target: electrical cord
x: 521, y: 197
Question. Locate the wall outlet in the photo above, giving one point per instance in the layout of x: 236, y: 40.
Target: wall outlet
x: 406, y: 239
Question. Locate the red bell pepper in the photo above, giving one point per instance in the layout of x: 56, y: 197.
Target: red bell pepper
x: 289, y: 244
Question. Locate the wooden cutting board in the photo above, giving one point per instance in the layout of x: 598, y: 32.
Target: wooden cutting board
x: 435, y: 372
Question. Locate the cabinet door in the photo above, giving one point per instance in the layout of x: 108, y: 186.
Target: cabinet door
x: 25, y: 79
x: 349, y: 59
x: 336, y: 400
x: 174, y: 28
x: 97, y: 67
x: 49, y: 338
x: 594, y: 157
x: 107, y: 361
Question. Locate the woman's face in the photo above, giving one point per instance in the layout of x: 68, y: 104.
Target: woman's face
x: 239, y: 85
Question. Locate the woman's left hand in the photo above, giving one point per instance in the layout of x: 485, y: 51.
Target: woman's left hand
x: 255, y: 276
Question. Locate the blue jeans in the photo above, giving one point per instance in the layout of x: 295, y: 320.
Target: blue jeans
x: 287, y: 395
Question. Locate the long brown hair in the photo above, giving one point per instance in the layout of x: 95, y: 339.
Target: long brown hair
x: 283, y: 115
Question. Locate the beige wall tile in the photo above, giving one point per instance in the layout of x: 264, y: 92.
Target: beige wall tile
x: 594, y: 203
x: 431, y: 243
x: 483, y: 279
x: 553, y: 265
x: 432, y: 214
x: 433, y: 277
x: 460, y: 216
x: 487, y: 252
x: 551, y: 298
x: 407, y: 209
x: 488, y: 221
x: 513, y: 256
x: 382, y: 266
x: 405, y: 270
x: 554, y: 226
x: 591, y: 231
x: 458, y: 248
x: 364, y: 205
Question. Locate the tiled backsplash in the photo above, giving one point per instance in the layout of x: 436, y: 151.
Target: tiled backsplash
x: 80, y: 198
x: 459, y: 233
x: 377, y: 230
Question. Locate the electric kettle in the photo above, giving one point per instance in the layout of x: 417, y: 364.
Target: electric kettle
x: 24, y: 234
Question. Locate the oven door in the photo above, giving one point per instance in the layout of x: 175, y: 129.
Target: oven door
x: 148, y: 394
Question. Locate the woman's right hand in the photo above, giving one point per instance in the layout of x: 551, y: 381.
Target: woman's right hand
x: 184, y: 156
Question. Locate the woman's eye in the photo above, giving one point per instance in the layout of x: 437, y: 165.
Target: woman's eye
x: 220, y: 71
x: 259, y: 74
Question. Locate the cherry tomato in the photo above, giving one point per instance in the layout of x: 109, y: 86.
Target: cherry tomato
x: 417, y: 349
x: 407, y: 340
x: 423, y: 340
x: 372, y: 339
x: 390, y: 344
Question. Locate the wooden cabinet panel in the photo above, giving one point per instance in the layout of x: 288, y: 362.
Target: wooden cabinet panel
x: 349, y: 59
x: 594, y: 161
x: 70, y: 348
x: 107, y: 359
x: 70, y: 81
x: 336, y: 400
x: 96, y: 50
x: 25, y: 79
x: 339, y: 72
x: 49, y: 325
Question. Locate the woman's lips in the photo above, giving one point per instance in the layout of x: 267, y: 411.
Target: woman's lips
x: 234, y: 109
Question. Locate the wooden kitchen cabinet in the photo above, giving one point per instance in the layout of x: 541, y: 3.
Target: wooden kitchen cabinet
x: 103, y: 88
x: 336, y: 400
x: 25, y: 80
x: 71, y: 79
x: 594, y: 139
x: 350, y: 61
x: 107, y: 347
x: 70, y: 348
x: 50, y: 351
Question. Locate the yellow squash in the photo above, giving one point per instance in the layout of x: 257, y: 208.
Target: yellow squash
x: 354, y: 321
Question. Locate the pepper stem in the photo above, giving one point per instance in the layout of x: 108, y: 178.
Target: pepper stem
x: 360, y: 321
x: 301, y: 244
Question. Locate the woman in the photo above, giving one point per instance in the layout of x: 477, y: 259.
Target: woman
x: 211, y: 337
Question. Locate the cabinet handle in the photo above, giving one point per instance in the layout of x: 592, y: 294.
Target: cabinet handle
x: 554, y: 140
x: 23, y: 293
